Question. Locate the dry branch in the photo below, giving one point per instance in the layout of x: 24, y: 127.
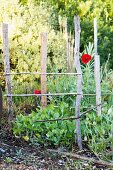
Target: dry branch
x: 76, y: 156
x: 67, y: 118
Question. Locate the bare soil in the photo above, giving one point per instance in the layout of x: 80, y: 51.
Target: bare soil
x: 16, y: 154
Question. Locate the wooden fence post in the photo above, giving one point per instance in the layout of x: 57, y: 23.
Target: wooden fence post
x: 79, y: 80
x: 43, y: 69
x: 0, y: 102
x: 97, y: 70
x: 7, y: 70
x: 67, y: 46
x: 72, y: 65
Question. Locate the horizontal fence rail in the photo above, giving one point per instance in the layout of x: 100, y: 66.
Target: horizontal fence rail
x: 52, y: 94
x: 47, y: 94
x: 5, y: 74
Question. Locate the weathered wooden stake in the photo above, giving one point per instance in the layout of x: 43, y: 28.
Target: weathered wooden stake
x: 7, y: 69
x: 67, y: 45
x: 72, y: 65
x: 97, y: 70
x: 70, y: 55
x: 79, y: 80
x: 0, y: 102
x: 43, y: 68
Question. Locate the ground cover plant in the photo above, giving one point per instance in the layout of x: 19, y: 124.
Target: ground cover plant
x: 97, y: 131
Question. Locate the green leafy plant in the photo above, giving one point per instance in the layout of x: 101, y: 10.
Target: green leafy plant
x: 46, y: 132
x: 97, y: 131
x: 8, y: 160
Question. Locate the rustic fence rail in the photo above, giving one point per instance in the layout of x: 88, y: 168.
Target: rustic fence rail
x: 5, y: 74
x: 47, y: 94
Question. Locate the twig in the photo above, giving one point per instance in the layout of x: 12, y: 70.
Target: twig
x: 67, y: 118
x: 76, y: 156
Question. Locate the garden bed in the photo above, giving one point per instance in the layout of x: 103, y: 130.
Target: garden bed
x: 16, y: 154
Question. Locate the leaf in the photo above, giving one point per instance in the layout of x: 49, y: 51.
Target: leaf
x: 37, y: 135
x: 56, y: 115
x: 26, y: 138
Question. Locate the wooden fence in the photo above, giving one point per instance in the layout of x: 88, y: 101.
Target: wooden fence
x: 79, y: 94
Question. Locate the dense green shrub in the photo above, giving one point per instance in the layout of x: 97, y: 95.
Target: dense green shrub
x: 25, y: 26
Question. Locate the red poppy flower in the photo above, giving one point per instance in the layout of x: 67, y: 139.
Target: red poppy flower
x: 37, y: 91
x: 86, y: 58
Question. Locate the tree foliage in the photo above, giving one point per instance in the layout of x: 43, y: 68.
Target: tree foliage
x: 88, y: 10
x: 26, y: 22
